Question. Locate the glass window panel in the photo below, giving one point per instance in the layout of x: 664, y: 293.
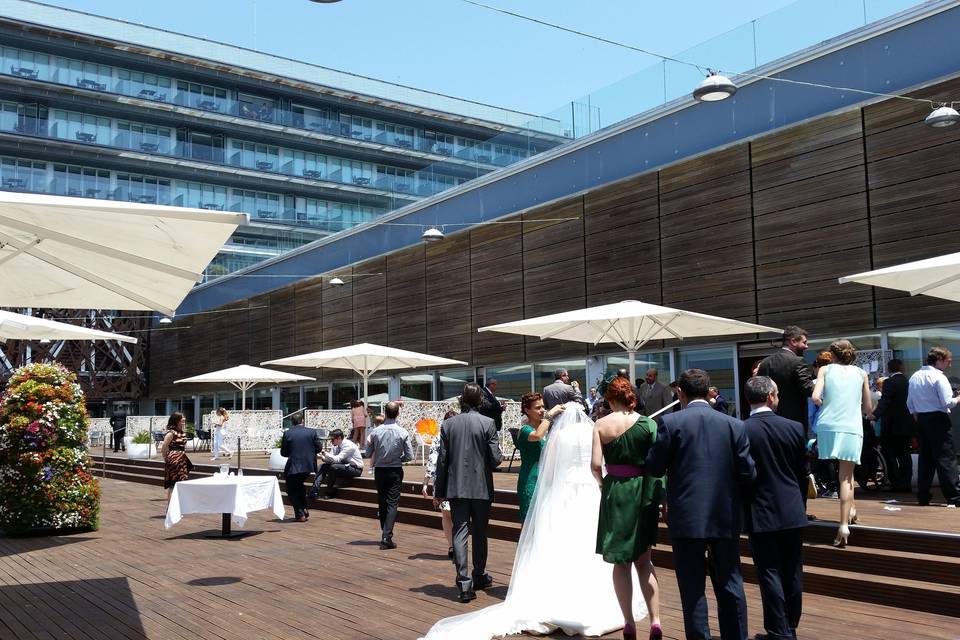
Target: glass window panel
x: 450, y: 382
x: 512, y: 380
x: 416, y: 386
x: 544, y: 372
x: 719, y: 364
x: 262, y: 399
x: 289, y: 402
x: 344, y: 393
x: 316, y: 397
x: 659, y: 360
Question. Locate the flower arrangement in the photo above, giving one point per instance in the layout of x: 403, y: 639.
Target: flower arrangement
x: 44, y: 480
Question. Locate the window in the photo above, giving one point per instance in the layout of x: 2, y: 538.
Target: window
x: 79, y: 127
x: 86, y: 75
x: 317, y: 397
x: 416, y: 386
x: 450, y: 382
x: 202, y: 96
x: 23, y: 175
x: 303, y: 163
x: 255, y: 107
x: 256, y: 203
x: 254, y: 156
x: 25, y: 64
x: 395, y: 134
x: 394, y: 179
x: 143, y: 137
x: 357, y: 127
x: 544, y: 373
x: 512, y: 380
x: 148, y: 86
x: 289, y: 402
x: 659, y: 360
x: 719, y: 363
x: 200, y: 196
x: 86, y: 182
x: 262, y: 400
x: 145, y: 189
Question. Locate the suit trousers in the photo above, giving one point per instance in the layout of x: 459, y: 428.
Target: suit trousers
x: 389, y: 482
x: 778, y: 557
x: 469, y: 515
x: 936, y: 455
x: 331, y: 473
x: 118, y: 437
x: 896, y: 453
x: 691, y: 572
x: 297, y: 492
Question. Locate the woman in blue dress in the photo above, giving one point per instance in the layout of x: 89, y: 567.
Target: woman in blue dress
x: 843, y: 394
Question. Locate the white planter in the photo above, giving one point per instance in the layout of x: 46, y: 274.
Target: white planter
x: 139, y: 451
x: 916, y: 466
x: 194, y: 444
x: 277, y: 461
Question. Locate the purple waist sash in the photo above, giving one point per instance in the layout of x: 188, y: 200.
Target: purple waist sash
x: 625, y: 470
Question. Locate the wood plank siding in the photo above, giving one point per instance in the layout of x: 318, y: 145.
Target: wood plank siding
x: 759, y: 230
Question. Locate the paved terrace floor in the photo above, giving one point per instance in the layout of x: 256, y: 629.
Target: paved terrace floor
x: 872, y: 507
x: 326, y: 578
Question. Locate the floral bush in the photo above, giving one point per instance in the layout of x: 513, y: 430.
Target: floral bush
x: 44, y: 480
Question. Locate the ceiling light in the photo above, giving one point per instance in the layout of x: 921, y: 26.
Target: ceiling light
x: 942, y: 116
x: 166, y: 320
x: 45, y: 341
x: 337, y: 282
x: 432, y: 235
x: 715, y: 87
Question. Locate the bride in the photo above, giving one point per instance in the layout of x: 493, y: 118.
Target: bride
x: 558, y: 580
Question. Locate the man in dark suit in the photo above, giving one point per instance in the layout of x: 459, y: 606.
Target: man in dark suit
x: 792, y: 374
x: 300, y: 446
x: 118, y: 429
x: 897, y: 427
x: 491, y: 406
x: 776, y: 514
x: 706, y: 458
x: 469, y: 452
x: 561, y: 391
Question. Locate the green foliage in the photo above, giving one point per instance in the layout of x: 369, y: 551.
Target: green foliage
x: 190, y: 430
x: 44, y: 481
x: 276, y: 445
x: 141, y: 438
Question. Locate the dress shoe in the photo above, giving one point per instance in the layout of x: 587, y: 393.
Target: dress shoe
x: 450, y: 553
x: 301, y: 519
x: 388, y: 544
x: 482, y: 582
x: 656, y: 632
x: 306, y: 514
x: 843, y: 533
x: 467, y: 596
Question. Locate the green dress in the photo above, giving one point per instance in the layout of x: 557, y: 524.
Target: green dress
x: 629, y: 507
x: 529, y: 467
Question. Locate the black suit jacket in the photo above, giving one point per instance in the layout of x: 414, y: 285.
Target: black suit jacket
x: 300, y: 446
x: 895, y: 418
x: 469, y: 452
x: 778, y: 498
x: 794, y: 383
x: 491, y: 408
x: 706, y: 458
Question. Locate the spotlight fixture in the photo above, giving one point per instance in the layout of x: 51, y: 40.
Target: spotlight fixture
x: 45, y: 341
x: 715, y: 87
x: 942, y: 116
x: 337, y: 282
x: 432, y: 235
x: 166, y: 320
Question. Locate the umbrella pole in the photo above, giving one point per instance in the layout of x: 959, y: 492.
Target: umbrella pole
x: 632, y: 359
x: 366, y: 379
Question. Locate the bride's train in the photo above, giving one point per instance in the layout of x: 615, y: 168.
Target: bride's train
x: 558, y: 580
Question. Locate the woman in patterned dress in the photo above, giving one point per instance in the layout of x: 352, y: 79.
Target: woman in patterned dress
x: 176, y: 464
x: 429, y: 478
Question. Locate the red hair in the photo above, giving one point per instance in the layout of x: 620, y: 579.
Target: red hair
x: 620, y: 391
x: 526, y: 402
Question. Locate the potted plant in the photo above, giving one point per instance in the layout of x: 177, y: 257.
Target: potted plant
x: 277, y: 461
x: 139, y: 447
x: 193, y: 443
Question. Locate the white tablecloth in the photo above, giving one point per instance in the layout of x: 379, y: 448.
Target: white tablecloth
x: 219, y: 494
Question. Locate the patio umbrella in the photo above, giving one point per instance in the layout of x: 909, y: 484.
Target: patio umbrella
x: 630, y: 324
x: 244, y: 377
x: 365, y: 359
x: 938, y: 277
x: 15, y: 326
x: 81, y: 253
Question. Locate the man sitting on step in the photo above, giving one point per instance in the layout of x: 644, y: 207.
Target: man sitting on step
x: 343, y: 461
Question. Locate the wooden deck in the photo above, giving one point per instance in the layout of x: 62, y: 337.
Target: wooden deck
x: 323, y: 579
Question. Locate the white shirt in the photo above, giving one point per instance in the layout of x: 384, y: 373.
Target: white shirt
x: 703, y: 400
x: 345, y: 453
x: 760, y: 409
x: 930, y: 391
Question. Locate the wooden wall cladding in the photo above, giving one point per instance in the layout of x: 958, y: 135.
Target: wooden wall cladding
x: 406, y: 299
x: 914, y: 201
x: 811, y: 225
x: 759, y: 231
x: 496, y: 291
x: 706, y: 241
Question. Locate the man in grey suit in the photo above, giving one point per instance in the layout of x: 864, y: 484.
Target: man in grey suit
x: 654, y: 394
x: 561, y: 391
x: 469, y: 452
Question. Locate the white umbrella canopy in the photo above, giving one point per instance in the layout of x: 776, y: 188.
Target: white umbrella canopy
x: 630, y: 324
x: 244, y: 377
x: 80, y: 253
x: 365, y: 359
x: 15, y: 326
x: 938, y: 277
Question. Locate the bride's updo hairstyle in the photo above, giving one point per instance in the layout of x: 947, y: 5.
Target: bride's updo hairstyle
x: 620, y: 391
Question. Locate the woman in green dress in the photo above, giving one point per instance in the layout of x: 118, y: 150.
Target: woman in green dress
x: 629, y: 501
x: 530, y: 444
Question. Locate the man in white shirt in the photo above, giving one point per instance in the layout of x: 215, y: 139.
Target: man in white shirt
x: 930, y: 400
x: 592, y: 399
x: 342, y: 461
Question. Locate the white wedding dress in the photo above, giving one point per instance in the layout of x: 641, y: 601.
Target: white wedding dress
x: 558, y: 580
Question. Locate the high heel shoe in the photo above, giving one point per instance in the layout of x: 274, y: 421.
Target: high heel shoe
x: 656, y: 633
x: 629, y: 632
x: 854, y: 519
x: 843, y: 533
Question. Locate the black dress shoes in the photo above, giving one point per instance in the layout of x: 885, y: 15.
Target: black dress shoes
x: 467, y: 596
x: 482, y: 582
x: 388, y: 544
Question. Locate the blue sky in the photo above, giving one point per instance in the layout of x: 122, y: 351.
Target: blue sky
x: 457, y: 49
